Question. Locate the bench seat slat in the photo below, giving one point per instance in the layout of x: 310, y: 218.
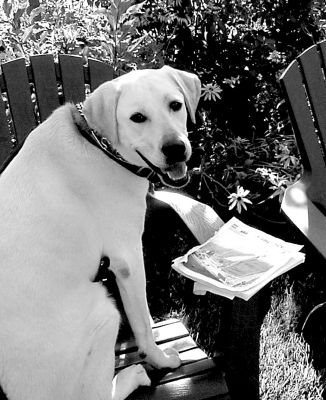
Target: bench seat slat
x: 181, y: 345
x: 205, y: 386
x: 198, y: 377
x: 161, y: 334
x: 185, y: 371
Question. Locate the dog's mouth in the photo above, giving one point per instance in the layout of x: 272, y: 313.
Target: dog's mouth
x: 177, y: 171
x: 175, y: 175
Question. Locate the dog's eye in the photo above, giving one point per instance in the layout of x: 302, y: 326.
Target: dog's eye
x: 175, y: 105
x: 138, y: 118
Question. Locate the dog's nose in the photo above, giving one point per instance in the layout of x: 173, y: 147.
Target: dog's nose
x: 174, y: 151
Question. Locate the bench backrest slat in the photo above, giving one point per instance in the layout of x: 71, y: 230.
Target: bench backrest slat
x: 19, y: 96
x: 72, y: 76
x: 305, y: 89
x: 312, y: 69
x: 99, y: 73
x: 54, y: 83
x: 302, y: 119
x: 45, y: 81
x: 5, y: 139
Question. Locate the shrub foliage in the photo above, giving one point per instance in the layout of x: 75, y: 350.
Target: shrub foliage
x: 244, y: 151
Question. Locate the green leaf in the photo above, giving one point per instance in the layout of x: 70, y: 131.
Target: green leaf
x: 137, y: 43
x: 35, y: 12
x: 43, y: 36
x: 27, y: 33
x: 112, y: 20
x: 113, y: 12
x: 136, y: 8
x: 124, y: 5
x: 7, y: 7
x: 17, y: 17
x: 33, y: 4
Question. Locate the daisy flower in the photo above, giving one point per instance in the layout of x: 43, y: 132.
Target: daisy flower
x: 239, y: 199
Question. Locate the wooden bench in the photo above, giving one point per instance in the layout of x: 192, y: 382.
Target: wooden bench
x: 30, y: 92
x: 304, y: 87
x: 305, y: 91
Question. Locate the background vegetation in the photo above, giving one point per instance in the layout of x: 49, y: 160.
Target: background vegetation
x: 238, y: 48
x: 244, y: 151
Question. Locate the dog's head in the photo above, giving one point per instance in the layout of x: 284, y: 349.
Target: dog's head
x: 144, y: 115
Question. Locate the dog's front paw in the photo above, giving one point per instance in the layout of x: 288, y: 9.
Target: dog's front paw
x: 128, y: 380
x: 173, y: 357
x: 169, y: 358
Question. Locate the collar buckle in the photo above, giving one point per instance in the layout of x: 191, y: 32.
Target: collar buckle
x: 105, y: 143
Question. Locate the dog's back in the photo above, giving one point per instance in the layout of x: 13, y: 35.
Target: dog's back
x: 63, y: 205
x: 50, y: 310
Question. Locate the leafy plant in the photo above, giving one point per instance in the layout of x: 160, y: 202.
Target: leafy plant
x: 238, y: 49
x: 104, y: 30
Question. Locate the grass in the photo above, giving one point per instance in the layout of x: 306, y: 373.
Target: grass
x: 286, y: 370
x: 286, y: 373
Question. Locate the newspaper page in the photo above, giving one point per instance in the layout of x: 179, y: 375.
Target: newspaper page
x: 238, y: 260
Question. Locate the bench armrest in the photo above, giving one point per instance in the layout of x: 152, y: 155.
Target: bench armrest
x: 305, y: 215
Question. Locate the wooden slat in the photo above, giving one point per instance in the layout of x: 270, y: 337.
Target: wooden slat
x: 19, y: 95
x: 322, y: 50
x: 308, y: 117
x: 210, y: 385
x: 99, y: 72
x: 305, y: 215
x: 5, y: 140
x: 45, y: 84
x: 181, y: 345
x: 72, y: 76
x: 303, y: 125
x: 198, y: 377
x: 165, y: 322
x: 305, y: 202
x: 169, y: 332
x: 311, y: 67
x: 185, y: 371
x: 161, y: 334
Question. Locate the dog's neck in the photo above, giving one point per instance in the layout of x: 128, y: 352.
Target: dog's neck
x: 103, y: 144
x: 150, y: 172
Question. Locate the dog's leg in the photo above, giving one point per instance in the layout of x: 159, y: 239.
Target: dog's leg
x: 130, y: 275
x: 95, y: 381
x: 128, y: 380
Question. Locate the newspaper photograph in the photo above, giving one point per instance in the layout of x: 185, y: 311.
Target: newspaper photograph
x: 238, y: 261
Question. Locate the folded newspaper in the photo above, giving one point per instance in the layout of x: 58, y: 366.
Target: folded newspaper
x: 237, y: 261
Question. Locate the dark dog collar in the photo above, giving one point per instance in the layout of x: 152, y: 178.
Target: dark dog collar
x: 152, y: 173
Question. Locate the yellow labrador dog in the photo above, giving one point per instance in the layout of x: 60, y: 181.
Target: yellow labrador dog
x: 64, y: 204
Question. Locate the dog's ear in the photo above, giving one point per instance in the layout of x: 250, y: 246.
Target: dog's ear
x: 100, y: 110
x: 190, y: 86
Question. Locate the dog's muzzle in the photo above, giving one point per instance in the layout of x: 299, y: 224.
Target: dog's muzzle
x: 175, y: 175
x: 174, y: 152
